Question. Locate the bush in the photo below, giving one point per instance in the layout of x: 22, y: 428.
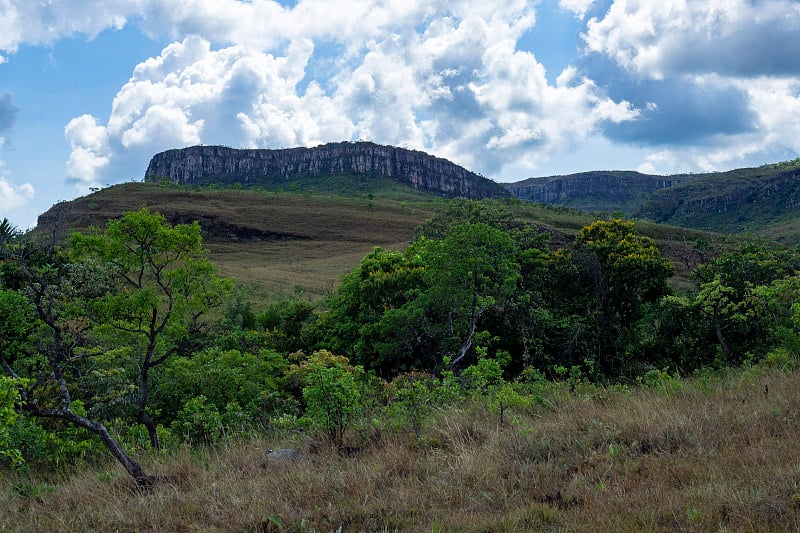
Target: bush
x: 199, y: 422
x: 412, y: 397
x: 251, y: 384
x: 332, y: 394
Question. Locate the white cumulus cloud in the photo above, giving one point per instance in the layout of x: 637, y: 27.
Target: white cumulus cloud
x: 579, y: 7
x: 91, y: 153
x: 728, y: 37
x: 13, y: 198
x: 450, y: 78
x: 445, y: 77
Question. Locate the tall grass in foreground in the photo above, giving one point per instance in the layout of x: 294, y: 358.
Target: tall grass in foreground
x: 707, y: 454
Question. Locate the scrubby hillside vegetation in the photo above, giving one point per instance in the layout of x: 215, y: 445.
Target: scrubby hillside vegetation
x: 500, y: 372
x: 748, y: 199
x: 761, y: 200
x: 302, y: 237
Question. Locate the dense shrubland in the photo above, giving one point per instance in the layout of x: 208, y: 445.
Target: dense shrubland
x: 126, y: 340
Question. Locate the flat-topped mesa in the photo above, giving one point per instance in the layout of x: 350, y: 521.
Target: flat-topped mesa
x: 205, y: 165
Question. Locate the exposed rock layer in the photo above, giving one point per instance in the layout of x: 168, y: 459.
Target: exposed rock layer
x: 595, y: 191
x: 203, y: 165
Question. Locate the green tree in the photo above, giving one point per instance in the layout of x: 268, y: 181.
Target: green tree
x: 603, y: 285
x: 45, y: 355
x: 8, y: 232
x: 473, y: 270
x: 401, y: 311
x: 164, y: 284
x: 371, y: 319
x: 720, y: 306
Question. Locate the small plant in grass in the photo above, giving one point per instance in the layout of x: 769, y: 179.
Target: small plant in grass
x: 694, y: 515
x: 663, y: 380
x: 780, y: 358
x: 485, y: 380
x: 613, y: 450
x: 31, y: 491
x: 332, y: 394
x: 412, y: 399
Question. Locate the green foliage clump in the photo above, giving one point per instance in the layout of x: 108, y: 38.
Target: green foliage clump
x: 253, y: 382
x: 332, y: 393
x: 199, y: 421
x: 9, y: 399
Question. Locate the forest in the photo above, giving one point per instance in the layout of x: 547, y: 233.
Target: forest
x: 124, y: 341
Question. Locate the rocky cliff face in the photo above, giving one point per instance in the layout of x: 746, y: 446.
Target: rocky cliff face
x: 594, y: 191
x: 204, y: 165
x: 731, y: 201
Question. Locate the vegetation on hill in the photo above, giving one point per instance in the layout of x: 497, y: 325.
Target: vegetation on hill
x: 273, y: 243
x: 761, y: 200
x: 515, y: 366
x: 596, y: 191
x: 752, y: 199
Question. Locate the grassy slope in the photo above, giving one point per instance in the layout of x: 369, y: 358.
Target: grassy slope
x: 269, y: 242
x: 702, y: 455
x: 273, y: 242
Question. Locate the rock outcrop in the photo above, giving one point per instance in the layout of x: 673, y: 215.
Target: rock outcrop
x: 729, y: 201
x: 595, y: 191
x: 205, y: 165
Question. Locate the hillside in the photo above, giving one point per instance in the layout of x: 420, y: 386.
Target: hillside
x: 755, y: 199
x: 762, y: 200
x: 596, y: 191
x: 277, y: 243
x: 270, y: 242
x: 204, y: 165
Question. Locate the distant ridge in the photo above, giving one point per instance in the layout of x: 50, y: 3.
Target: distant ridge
x: 763, y: 199
x: 206, y: 165
x: 600, y: 190
x: 745, y: 199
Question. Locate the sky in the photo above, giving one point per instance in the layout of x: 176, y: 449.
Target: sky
x: 91, y: 90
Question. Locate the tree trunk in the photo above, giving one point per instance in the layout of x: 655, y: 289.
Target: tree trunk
x: 150, y: 424
x: 721, y: 337
x: 144, y: 390
x: 131, y: 465
x: 466, y: 345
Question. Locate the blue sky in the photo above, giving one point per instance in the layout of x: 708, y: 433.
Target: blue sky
x: 90, y: 90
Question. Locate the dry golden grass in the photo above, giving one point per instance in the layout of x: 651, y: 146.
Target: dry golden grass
x: 269, y: 242
x: 692, y: 456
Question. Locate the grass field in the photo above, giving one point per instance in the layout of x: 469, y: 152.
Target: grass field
x: 272, y: 243
x: 712, y: 453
